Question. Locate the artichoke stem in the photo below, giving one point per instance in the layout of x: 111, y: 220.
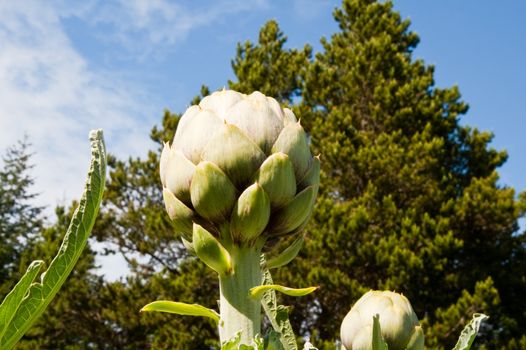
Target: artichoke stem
x: 238, y: 311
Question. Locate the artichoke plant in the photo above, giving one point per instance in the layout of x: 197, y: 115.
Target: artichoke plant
x: 398, y: 322
x: 238, y: 173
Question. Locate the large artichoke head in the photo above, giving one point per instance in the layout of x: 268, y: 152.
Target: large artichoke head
x: 239, y: 167
x: 398, y: 322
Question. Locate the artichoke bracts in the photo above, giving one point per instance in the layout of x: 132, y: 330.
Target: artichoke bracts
x: 239, y: 172
x: 398, y: 322
x: 240, y: 168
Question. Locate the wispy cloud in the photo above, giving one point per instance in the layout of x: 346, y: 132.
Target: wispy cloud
x: 48, y: 92
x: 56, y: 94
x: 146, y: 28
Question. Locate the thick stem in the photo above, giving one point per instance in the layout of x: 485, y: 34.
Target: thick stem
x: 238, y: 311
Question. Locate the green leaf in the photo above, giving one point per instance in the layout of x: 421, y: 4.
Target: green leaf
x: 278, y: 315
x: 234, y: 343
x: 287, y: 255
x: 41, y: 293
x: 175, y: 307
x: 470, y: 332
x: 309, y: 346
x: 257, y: 292
x: 378, y: 341
x: 272, y: 341
x: 15, y: 297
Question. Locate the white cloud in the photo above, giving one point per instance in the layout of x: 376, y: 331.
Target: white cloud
x: 146, y: 28
x: 55, y: 95
x: 48, y: 92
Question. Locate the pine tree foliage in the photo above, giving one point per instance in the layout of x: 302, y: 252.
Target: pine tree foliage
x: 410, y: 197
x: 20, y: 219
x: 268, y: 67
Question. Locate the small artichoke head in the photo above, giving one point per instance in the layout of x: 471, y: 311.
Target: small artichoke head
x: 398, y: 322
x: 239, y: 166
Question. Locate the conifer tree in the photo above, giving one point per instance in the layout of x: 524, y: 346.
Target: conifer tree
x: 410, y: 197
x: 20, y: 219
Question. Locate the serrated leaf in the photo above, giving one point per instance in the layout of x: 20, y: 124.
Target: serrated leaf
x: 378, y: 341
x: 12, y: 301
x: 234, y: 343
x: 257, y: 292
x: 278, y: 315
x: 468, y: 334
x: 41, y: 293
x: 178, y: 308
x: 309, y: 346
x: 272, y: 341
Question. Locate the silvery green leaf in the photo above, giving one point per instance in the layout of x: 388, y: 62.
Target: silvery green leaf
x: 272, y: 341
x: 308, y: 346
x: 15, y: 297
x: 234, y: 343
x: 278, y: 315
x: 41, y: 293
x: 470, y: 332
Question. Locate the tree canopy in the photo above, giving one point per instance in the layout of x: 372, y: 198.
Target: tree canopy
x: 410, y: 201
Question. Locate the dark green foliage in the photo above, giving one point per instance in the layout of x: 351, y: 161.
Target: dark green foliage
x: 410, y: 200
x: 268, y: 67
x: 20, y: 220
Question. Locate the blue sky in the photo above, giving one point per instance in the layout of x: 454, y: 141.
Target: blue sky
x: 67, y: 67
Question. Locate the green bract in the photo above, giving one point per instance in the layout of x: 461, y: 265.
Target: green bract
x: 241, y: 168
x: 399, y: 325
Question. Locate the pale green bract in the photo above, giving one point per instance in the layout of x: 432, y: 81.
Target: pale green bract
x: 28, y: 300
x: 398, y: 323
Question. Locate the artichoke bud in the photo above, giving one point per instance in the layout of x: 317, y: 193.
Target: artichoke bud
x: 294, y: 213
x: 276, y: 176
x: 234, y: 143
x: 398, y: 322
x: 213, y: 195
x: 179, y: 173
x: 179, y: 213
x: 293, y: 141
x: 250, y: 215
x: 232, y: 151
x: 210, y: 251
